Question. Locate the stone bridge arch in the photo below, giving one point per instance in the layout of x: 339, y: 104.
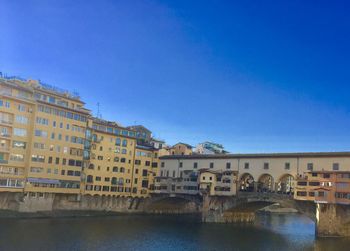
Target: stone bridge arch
x: 265, y: 183
x: 174, y: 203
x: 246, y: 182
x: 285, y: 184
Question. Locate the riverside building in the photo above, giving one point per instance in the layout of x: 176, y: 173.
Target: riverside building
x: 50, y: 144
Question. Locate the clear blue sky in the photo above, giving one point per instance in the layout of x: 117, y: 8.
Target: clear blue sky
x: 256, y: 76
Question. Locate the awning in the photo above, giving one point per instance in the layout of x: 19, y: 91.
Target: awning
x: 43, y: 181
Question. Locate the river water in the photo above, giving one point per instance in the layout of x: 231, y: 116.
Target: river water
x: 269, y: 232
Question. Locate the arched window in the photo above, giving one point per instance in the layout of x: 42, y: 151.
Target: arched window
x: 122, y: 170
x: 117, y: 141
x: 115, y: 169
x: 91, y: 166
x: 90, y: 178
x: 114, y: 181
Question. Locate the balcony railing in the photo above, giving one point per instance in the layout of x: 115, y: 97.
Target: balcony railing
x: 4, y: 161
x: 6, y: 122
x: 6, y: 135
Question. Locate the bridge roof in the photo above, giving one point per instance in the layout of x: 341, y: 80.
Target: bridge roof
x: 258, y: 155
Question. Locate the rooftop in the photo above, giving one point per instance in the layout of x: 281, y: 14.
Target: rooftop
x: 259, y: 155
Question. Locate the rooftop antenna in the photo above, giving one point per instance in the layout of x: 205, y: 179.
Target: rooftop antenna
x: 98, y: 115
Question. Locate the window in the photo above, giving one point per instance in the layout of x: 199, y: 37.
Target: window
x: 147, y: 163
x: 50, y: 160
x: 310, y: 166
x: 117, y: 141
x: 266, y: 165
x: 38, y: 158
x: 180, y: 164
x: 39, y: 145
x: 16, y: 157
x: 228, y: 165
x: 125, y: 142
x: 53, y: 135
x: 174, y: 173
x: 162, y: 164
x: 42, y: 121
x: 19, y: 144
x: 144, y: 173
x: 21, y: 108
x: 246, y: 165
x: 335, y: 166
x: 40, y: 133
x: 195, y: 165
x: 211, y: 165
x: 20, y: 132
x: 287, y: 166
x: 21, y: 119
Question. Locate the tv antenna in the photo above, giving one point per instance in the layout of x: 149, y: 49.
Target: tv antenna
x: 98, y: 115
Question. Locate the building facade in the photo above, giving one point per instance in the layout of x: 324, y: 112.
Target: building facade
x: 50, y: 143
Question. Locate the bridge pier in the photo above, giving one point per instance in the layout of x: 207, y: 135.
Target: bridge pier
x: 332, y: 220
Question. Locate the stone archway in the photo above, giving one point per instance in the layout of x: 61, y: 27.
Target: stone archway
x: 265, y: 183
x: 246, y: 183
x: 285, y: 184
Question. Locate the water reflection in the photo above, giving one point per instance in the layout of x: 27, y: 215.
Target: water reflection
x: 284, y: 232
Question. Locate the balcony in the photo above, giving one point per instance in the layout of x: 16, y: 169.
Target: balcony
x: 4, y: 149
x: 5, y: 135
x: 4, y: 161
x: 6, y: 122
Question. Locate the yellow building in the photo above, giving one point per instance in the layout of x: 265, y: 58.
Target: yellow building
x: 146, y: 168
x: 44, y: 136
x: 16, y: 115
x: 109, y: 159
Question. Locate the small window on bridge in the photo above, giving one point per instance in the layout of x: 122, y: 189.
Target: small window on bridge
x: 301, y: 193
x: 195, y: 165
x: 314, y: 183
x: 335, y: 166
x: 246, y: 165
x: 310, y: 166
x: 287, y: 166
x: 266, y: 165
x: 302, y: 183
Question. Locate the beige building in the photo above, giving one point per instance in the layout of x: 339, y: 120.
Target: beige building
x: 218, y: 183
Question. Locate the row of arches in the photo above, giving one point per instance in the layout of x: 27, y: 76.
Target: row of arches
x: 266, y: 183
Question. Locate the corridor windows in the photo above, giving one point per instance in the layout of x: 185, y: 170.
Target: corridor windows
x: 21, y: 119
x: 266, y: 166
x: 246, y: 165
x: 335, y: 166
x: 19, y: 144
x: 180, y: 164
x: 195, y: 165
x: 287, y: 166
x: 310, y: 166
x: 211, y: 165
x: 228, y: 165
x: 20, y: 132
